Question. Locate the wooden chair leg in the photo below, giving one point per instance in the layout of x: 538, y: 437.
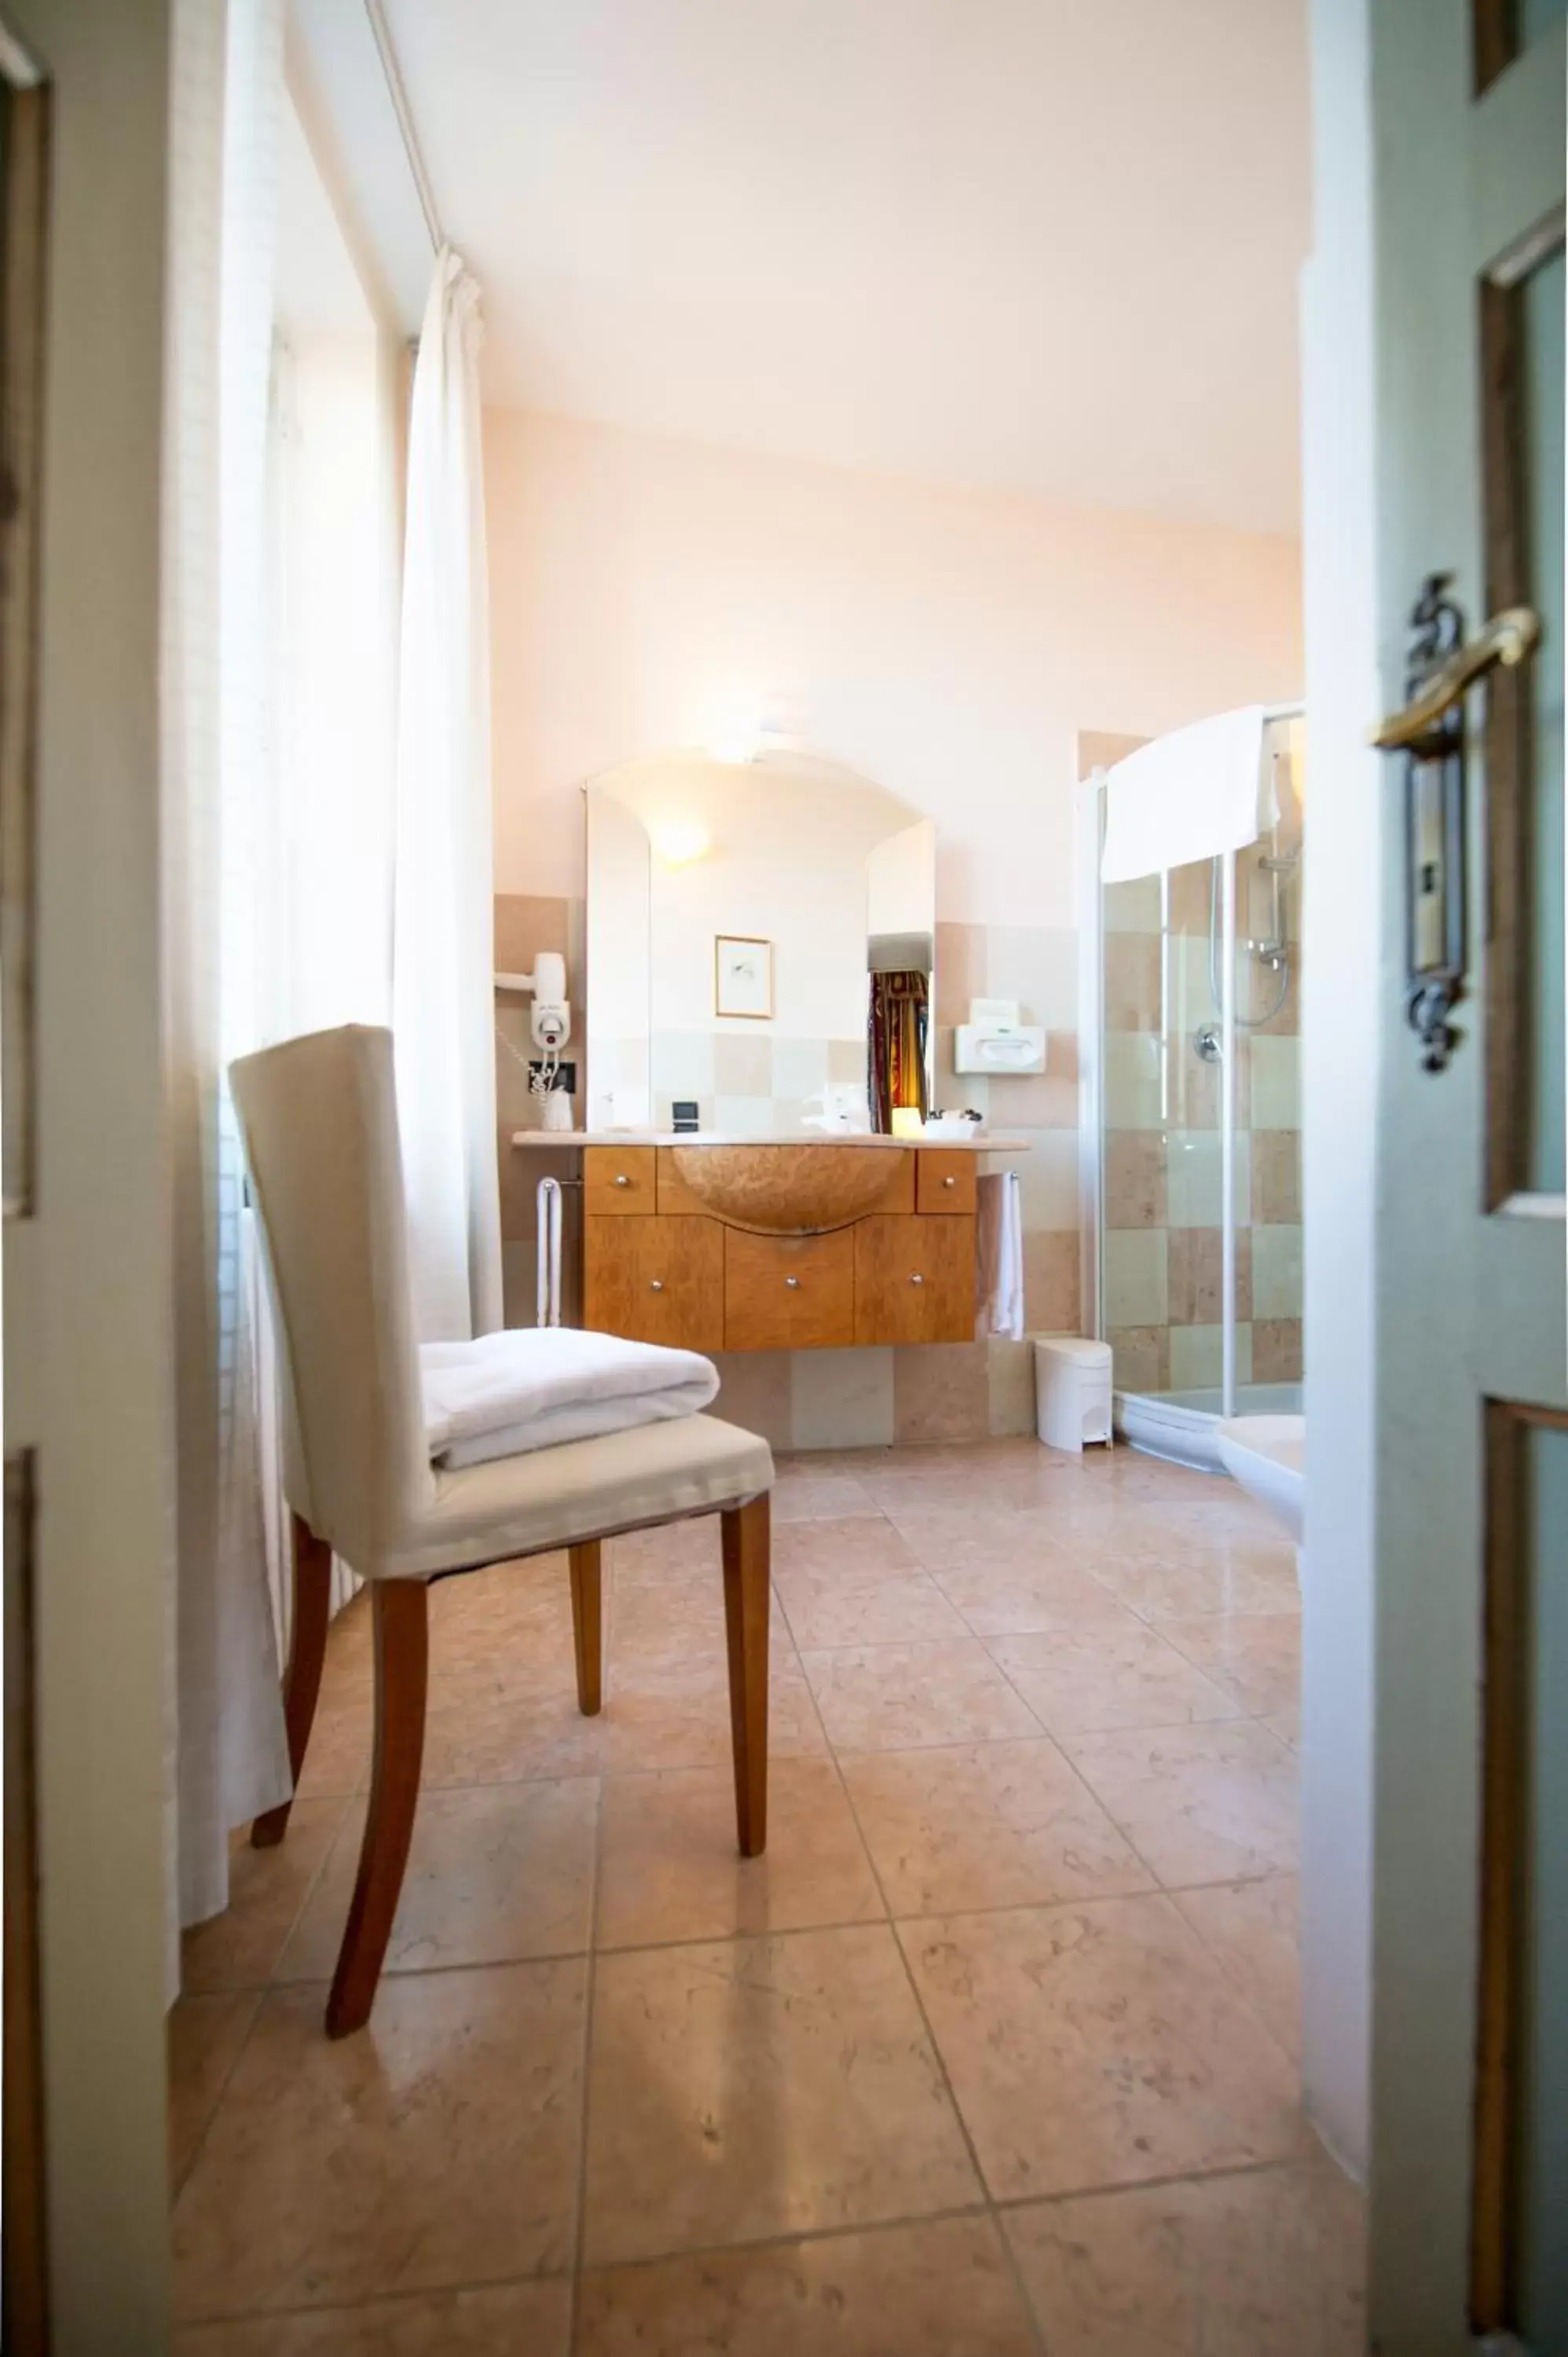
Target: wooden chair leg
x: 746, y: 1606
x: 302, y: 1682
x: 402, y: 1652
x: 587, y: 1637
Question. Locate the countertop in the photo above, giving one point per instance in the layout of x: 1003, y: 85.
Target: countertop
x: 991, y: 1141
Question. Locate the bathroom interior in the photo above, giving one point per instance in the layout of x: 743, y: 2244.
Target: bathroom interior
x: 816, y: 890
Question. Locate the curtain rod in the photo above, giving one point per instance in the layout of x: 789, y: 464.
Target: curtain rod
x: 399, y: 96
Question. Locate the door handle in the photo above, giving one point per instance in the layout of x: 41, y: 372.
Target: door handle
x: 1442, y: 666
x: 1508, y: 639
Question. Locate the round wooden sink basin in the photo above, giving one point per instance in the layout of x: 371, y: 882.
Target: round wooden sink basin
x: 788, y: 1189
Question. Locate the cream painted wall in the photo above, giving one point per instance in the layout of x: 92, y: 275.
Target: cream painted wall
x: 948, y: 644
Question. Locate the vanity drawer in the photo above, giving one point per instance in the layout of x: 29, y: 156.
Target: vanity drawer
x: 788, y: 1293
x: 945, y: 1181
x: 654, y: 1280
x: 618, y: 1180
x: 913, y: 1279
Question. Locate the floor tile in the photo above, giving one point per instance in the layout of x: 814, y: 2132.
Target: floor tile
x: 438, y: 2146
x: 1108, y: 1675
x: 762, y: 2087
x: 337, y: 1759
x: 495, y: 1874
x: 819, y: 1496
x: 941, y: 2289
x: 676, y: 1621
x: 888, y: 1697
x: 947, y: 1539
x: 1254, y: 1930
x: 205, y: 2035
x: 526, y: 2320
x: 1200, y: 1803
x: 1098, y: 2044
x: 993, y: 1824
x: 1256, y: 1656
x: 514, y: 1610
x: 679, y: 1548
x: 1009, y: 1599
x: 670, y: 1869
x: 831, y: 1548
x: 1266, y: 2265
x: 865, y: 1608
x: 656, y: 1714
x: 267, y: 1887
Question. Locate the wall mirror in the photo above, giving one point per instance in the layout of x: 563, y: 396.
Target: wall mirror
x: 760, y: 935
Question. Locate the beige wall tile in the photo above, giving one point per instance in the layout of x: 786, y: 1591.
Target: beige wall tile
x: 1194, y: 1266
x: 1051, y: 1282
x: 1276, y: 1083
x: 942, y: 1391
x: 1141, y: 1357
x: 1131, y: 981
x: 1196, y: 1356
x: 1010, y: 1387
x: 1194, y: 1196
x: 526, y: 922
x: 1134, y: 1179
x: 1038, y: 965
x: 755, y: 1392
x: 1133, y: 1277
x: 1047, y: 1177
x: 1277, y: 1178
x: 1046, y: 1099
x: 1131, y: 1080
x: 961, y: 971
x: 1276, y: 1272
x: 842, y: 1399
x: 1277, y: 1350
x: 1133, y: 907
x: 846, y: 1059
x: 743, y: 1064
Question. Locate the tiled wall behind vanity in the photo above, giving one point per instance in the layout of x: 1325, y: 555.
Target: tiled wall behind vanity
x: 861, y: 1398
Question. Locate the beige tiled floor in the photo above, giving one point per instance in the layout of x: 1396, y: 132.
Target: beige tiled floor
x: 993, y: 2053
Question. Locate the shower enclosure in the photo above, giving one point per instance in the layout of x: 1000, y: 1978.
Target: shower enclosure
x: 1199, y: 1262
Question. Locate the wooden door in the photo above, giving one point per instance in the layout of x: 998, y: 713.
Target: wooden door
x: 655, y: 1280
x: 1470, y: 2075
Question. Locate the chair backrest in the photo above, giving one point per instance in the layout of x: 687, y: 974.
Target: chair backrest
x: 319, y: 1119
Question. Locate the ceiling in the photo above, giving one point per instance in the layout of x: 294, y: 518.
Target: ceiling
x: 1044, y: 245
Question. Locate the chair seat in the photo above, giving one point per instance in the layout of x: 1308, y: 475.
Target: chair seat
x: 582, y: 1489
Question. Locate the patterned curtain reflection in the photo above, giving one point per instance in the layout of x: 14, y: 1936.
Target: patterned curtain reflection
x: 900, y: 1008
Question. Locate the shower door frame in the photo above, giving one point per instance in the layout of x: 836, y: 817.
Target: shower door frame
x: 1087, y: 847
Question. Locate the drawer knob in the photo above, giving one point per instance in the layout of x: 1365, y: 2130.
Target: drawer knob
x: 656, y: 1285
x: 621, y: 1178
x: 793, y: 1283
x: 916, y: 1278
x: 950, y: 1182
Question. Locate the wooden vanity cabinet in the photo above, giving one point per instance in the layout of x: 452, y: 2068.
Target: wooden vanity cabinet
x: 655, y: 1280
x: 657, y: 1267
x: 913, y: 1279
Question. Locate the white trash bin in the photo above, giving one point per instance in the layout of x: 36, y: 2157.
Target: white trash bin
x: 1072, y: 1390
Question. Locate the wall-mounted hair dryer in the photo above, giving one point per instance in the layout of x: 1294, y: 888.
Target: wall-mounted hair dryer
x: 550, y: 1019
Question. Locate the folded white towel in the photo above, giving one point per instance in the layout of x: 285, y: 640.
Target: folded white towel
x: 999, y: 1260
x: 1191, y: 795
x: 533, y: 1387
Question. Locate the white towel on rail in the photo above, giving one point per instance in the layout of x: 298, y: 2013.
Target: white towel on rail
x: 1192, y: 795
x: 533, y: 1387
x: 999, y: 1260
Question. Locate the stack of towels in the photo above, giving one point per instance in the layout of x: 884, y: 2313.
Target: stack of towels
x: 533, y: 1387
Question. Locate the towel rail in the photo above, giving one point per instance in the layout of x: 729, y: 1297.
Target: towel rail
x: 547, y: 1277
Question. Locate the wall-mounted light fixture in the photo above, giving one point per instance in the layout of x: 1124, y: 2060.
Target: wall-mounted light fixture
x: 680, y: 841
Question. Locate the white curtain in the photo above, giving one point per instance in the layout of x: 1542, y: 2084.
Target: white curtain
x: 443, y: 956
x: 232, y: 1760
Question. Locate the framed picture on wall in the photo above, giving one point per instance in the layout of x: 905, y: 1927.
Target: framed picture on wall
x: 742, y: 977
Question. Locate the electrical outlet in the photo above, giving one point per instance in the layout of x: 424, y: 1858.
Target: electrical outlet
x: 565, y: 1081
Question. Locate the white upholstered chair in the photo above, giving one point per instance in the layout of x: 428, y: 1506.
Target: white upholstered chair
x: 319, y: 1119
